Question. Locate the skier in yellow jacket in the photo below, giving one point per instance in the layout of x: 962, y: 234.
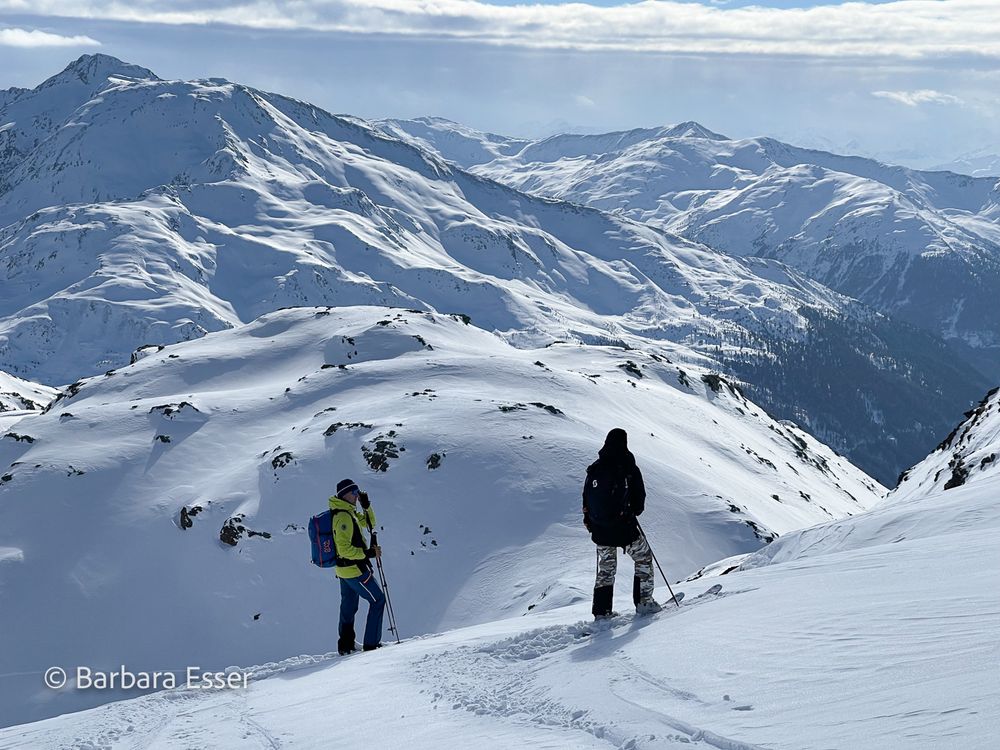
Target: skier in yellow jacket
x: 354, y: 568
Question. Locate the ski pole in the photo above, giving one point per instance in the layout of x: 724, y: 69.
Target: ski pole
x: 385, y: 585
x: 657, y: 563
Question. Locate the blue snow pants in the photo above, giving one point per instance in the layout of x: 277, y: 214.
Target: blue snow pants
x: 363, y: 587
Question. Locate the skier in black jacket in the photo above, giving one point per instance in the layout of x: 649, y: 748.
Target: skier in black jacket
x: 613, y: 496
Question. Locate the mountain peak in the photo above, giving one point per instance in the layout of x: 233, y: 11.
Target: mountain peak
x: 692, y: 129
x: 89, y: 69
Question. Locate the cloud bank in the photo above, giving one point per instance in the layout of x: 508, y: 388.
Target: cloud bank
x: 916, y: 98
x: 12, y: 37
x: 905, y: 29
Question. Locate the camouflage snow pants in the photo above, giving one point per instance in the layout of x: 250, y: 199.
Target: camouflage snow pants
x: 607, y: 566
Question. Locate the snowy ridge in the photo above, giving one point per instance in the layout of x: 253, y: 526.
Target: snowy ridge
x: 983, y: 162
x: 856, y: 633
x: 923, y: 246
x: 243, y: 433
x: 969, y: 454
x: 457, y: 143
x: 21, y: 395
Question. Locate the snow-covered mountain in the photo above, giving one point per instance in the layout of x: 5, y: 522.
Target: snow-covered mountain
x: 155, y: 211
x: 921, y: 246
x: 872, y: 632
x: 968, y: 455
x: 456, y: 142
x: 17, y: 394
x: 163, y: 506
x: 984, y: 162
x: 161, y: 210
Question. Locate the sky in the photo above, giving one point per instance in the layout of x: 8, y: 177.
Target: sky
x: 915, y: 82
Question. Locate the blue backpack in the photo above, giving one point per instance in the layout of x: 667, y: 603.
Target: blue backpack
x: 324, y: 551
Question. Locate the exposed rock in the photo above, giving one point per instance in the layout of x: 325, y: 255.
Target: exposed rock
x: 378, y: 452
x: 233, y: 530
x: 282, y: 460
x: 959, y: 473
x: 631, y: 368
x: 169, y: 410
x: 347, y: 426
x: 20, y: 438
x: 547, y: 407
x: 187, y: 514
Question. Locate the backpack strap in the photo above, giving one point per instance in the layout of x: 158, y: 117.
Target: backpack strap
x: 356, y: 539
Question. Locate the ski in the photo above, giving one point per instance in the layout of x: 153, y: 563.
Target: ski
x: 610, y: 623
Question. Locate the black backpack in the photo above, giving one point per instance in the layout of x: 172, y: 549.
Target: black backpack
x: 605, y: 494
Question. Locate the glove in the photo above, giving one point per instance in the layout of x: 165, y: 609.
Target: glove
x: 364, y: 501
x: 374, y: 551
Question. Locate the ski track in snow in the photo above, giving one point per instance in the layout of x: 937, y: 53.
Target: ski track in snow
x: 499, y: 679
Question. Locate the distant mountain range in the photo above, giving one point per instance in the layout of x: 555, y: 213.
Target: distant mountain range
x: 923, y: 247
x: 137, y: 211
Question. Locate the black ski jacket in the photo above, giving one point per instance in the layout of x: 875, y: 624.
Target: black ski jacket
x: 613, y: 496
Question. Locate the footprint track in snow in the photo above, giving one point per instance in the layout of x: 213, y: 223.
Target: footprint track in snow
x: 498, y: 679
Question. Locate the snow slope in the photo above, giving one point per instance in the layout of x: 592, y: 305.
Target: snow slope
x: 967, y: 455
x: 473, y: 452
x: 21, y: 395
x: 157, y: 211
x: 922, y: 246
x: 874, y: 632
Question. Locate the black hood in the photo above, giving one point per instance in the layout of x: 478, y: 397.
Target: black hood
x: 615, y: 448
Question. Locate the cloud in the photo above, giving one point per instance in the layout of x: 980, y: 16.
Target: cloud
x: 918, y: 97
x: 903, y: 29
x: 12, y: 37
x: 584, y: 101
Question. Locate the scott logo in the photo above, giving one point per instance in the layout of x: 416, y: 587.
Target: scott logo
x: 593, y: 483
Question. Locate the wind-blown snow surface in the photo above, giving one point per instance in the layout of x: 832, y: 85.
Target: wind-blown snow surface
x: 259, y: 423
x: 922, y: 246
x: 875, y: 632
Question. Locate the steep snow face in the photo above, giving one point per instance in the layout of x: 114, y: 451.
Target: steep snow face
x: 970, y: 454
x: 473, y: 452
x: 157, y: 211
x: 21, y: 395
x: 867, y: 632
x: 923, y: 246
